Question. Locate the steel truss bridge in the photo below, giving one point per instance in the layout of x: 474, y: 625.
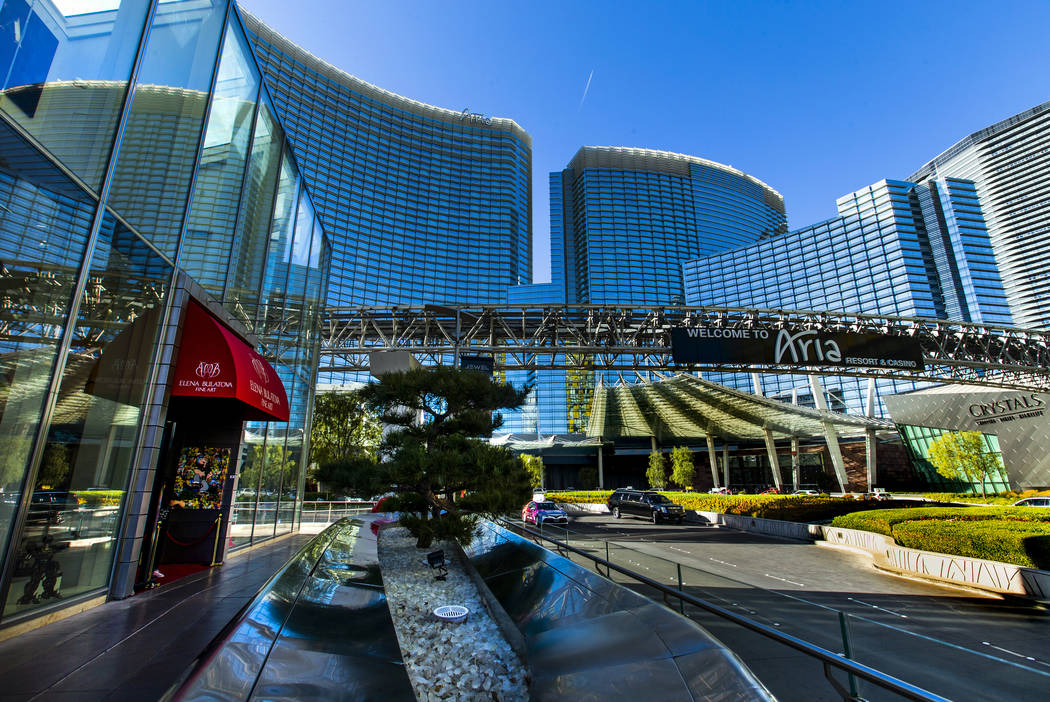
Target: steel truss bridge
x: 638, y: 338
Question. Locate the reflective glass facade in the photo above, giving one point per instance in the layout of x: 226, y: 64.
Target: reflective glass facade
x: 896, y: 248
x: 1009, y: 162
x: 623, y: 221
x: 631, y: 217
x: 422, y: 204
x: 141, y: 165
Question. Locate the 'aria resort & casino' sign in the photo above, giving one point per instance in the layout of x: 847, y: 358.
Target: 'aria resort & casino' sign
x: 794, y: 347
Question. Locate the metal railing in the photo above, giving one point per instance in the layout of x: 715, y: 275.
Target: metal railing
x: 329, y: 511
x: 837, y: 628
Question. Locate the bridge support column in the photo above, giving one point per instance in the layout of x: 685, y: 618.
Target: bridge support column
x: 774, y: 462
x: 712, y: 459
x: 830, y: 436
x: 756, y: 383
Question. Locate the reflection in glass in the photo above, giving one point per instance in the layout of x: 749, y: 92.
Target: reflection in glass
x: 246, y: 493
x: 272, y: 466
x: 67, y: 545
x: 44, y: 225
x: 253, y: 226
x: 64, y: 69
x: 152, y: 176
x: 217, y: 194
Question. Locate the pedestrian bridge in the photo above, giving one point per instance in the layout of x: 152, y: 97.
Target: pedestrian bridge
x: 638, y: 338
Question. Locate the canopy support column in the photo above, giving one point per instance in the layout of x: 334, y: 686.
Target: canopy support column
x: 712, y: 459
x: 870, y: 455
x: 830, y: 436
x: 796, y: 476
x: 601, y: 468
x: 725, y: 463
x: 774, y: 462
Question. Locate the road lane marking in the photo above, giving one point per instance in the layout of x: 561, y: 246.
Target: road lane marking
x: 731, y: 565
x: 785, y: 580
x: 868, y: 604
x: 1014, y: 653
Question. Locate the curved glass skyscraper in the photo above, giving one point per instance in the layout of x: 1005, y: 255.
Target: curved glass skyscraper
x: 623, y: 222
x: 422, y: 204
x: 629, y: 218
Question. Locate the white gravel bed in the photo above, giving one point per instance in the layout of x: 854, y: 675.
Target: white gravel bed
x: 470, y: 660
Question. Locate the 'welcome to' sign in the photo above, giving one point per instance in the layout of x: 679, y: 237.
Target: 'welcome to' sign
x: 794, y: 347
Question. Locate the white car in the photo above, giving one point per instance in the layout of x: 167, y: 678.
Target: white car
x: 1033, y: 502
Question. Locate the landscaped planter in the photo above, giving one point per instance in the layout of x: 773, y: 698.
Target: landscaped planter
x: 993, y: 576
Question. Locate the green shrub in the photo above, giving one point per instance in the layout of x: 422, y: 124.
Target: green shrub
x: 99, y: 498
x: 794, y: 508
x: 597, y: 497
x: 1003, y: 498
x: 882, y: 521
x: 1021, y: 543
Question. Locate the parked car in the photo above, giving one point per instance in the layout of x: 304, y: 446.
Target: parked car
x: 645, y: 503
x: 1033, y: 502
x: 719, y: 491
x: 543, y: 513
x: 805, y: 492
x: 770, y: 491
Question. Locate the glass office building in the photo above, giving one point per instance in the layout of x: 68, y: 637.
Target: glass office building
x: 161, y: 279
x: 422, y: 204
x: 623, y: 221
x: 1009, y: 162
x: 896, y: 248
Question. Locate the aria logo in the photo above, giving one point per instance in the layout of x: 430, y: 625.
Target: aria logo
x: 800, y: 347
x: 260, y: 370
x: 207, y: 371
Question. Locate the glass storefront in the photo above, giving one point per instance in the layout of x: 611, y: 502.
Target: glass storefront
x: 201, y: 184
x: 917, y: 440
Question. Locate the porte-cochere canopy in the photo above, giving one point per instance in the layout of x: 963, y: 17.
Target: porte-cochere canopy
x: 688, y: 407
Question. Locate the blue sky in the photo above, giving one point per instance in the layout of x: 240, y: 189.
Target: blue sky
x: 816, y: 99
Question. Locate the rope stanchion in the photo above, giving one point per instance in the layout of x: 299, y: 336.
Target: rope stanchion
x: 184, y: 544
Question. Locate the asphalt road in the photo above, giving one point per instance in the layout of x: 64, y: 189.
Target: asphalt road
x: 956, y: 643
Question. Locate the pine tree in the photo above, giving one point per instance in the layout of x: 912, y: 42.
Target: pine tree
x: 435, y: 456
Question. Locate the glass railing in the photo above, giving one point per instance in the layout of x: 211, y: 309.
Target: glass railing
x: 953, y: 670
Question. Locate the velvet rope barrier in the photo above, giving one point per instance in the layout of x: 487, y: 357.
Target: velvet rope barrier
x: 184, y: 544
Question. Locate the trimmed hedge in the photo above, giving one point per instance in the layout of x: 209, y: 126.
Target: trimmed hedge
x: 792, y: 508
x: 1002, y: 498
x: 1018, y: 535
x: 1021, y: 543
x: 883, y: 521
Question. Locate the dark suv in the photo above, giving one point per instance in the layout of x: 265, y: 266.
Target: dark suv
x: 645, y: 503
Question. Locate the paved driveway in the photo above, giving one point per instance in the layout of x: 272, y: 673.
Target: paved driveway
x: 957, y: 643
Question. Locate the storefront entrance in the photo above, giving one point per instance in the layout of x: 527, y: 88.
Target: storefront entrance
x: 219, y: 383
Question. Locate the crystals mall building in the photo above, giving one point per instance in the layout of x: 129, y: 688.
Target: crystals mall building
x: 161, y: 278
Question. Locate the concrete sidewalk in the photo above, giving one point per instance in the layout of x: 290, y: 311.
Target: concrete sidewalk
x: 135, y: 649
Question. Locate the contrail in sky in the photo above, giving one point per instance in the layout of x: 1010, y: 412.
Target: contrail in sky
x: 585, y: 89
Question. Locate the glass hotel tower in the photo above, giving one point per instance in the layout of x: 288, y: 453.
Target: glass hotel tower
x: 896, y: 248
x: 145, y: 178
x: 623, y: 221
x: 423, y: 204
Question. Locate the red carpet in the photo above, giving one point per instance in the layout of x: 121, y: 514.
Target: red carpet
x: 173, y: 571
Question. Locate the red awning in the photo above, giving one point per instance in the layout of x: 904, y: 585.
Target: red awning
x: 215, y: 362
